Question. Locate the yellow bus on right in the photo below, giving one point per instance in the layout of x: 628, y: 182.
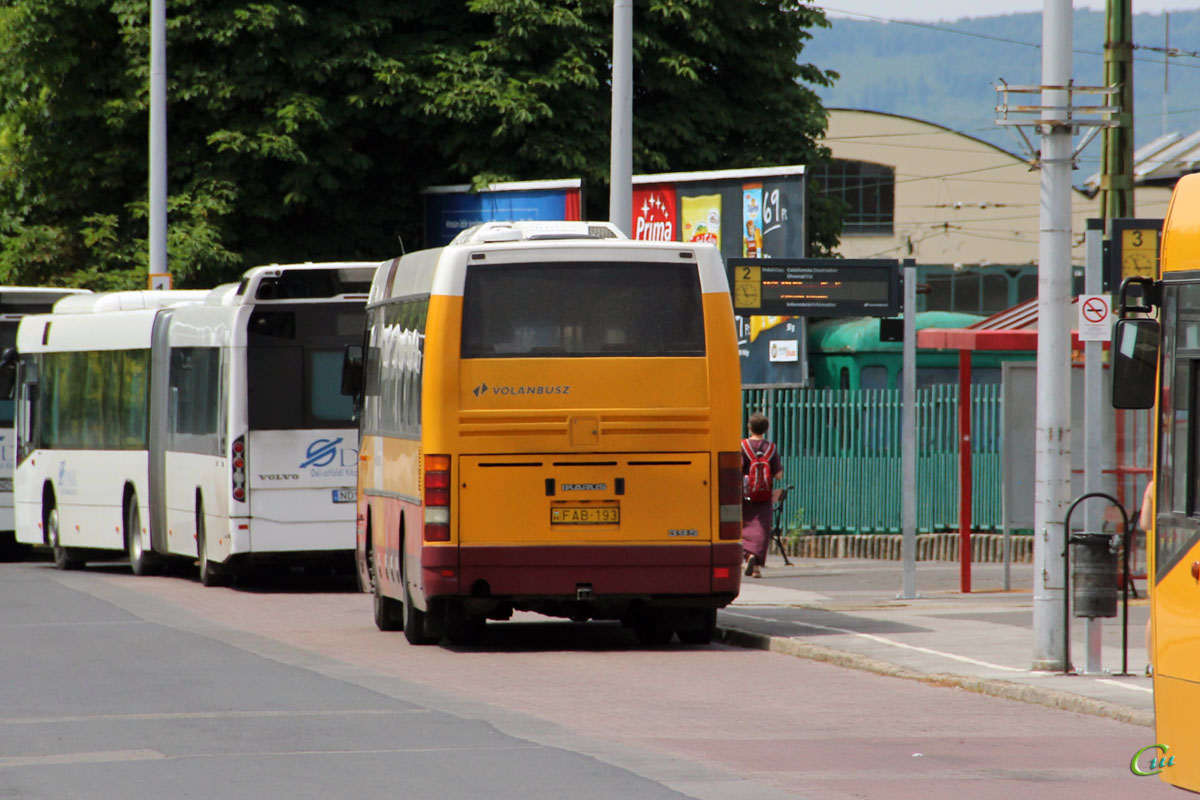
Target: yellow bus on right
x: 1156, y: 364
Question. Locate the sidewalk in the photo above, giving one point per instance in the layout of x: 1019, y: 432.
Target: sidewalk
x: 847, y: 612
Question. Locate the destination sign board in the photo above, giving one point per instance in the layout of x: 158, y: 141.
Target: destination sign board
x: 815, y: 287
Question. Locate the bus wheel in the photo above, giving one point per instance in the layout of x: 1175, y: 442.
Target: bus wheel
x: 64, y: 557
x: 415, y: 620
x: 210, y: 574
x: 651, y: 628
x: 389, y: 612
x: 702, y: 634
x: 467, y: 631
x: 140, y: 561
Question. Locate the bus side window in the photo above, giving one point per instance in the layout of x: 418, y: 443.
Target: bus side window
x: 27, y: 408
x: 8, y: 373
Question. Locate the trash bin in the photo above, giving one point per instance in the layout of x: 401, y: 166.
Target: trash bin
x: 1094, y: 574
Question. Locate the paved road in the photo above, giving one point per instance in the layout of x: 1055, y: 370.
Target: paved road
x: 116, y: 686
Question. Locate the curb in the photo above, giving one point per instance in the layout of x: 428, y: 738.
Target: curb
x: 992, y: 687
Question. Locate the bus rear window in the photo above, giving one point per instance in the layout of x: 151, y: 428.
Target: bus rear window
x: 581, y: 310
x: 294, y: 365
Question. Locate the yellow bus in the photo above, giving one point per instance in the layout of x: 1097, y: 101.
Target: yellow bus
x: 1156, y: 358
x: 549, y: 422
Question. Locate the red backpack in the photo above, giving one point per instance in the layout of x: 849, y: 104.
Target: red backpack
x: 758, y: 487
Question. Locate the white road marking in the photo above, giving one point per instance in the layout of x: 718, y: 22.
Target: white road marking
x: 882, y: 640
x: 99, y: 757
x: 113, y: 756
x: 172, y: 715
x: 1123, y: 685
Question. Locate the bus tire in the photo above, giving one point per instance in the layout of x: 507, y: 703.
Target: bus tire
x: 141, y: 561
x: 64, y: 557
x: 702, y: 634
x: 210, y: 574
x: 389, y: 612
x: 469, y: 630
x: 652, y: 629
x: 415, y: 620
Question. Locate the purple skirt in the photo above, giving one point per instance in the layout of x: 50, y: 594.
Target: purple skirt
x: 756, y: 529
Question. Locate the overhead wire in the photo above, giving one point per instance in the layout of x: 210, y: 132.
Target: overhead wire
x: 1005, y: 40
x: 942, y: 227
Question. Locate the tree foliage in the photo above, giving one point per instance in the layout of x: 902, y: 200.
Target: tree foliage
x: 305, y: 130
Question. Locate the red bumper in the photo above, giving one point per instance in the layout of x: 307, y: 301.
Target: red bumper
x: 558, y: 571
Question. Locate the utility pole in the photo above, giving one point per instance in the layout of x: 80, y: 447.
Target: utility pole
x: 158, y: 137
x: 1057, y: 120
x: 1116, y: 144
x: 1052, y: 465
x: 908, y: 438
x: 620, y: 173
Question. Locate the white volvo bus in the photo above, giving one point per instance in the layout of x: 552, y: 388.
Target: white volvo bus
x: 82, y: 421
x: 212, y: 429
x: 15, y: 303
x: 254, y: 449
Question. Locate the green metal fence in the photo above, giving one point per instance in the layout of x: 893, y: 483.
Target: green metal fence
x: 841, y: 453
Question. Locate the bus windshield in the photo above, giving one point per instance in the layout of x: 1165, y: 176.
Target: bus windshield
x: 294, y: 360
x: 582, y: 310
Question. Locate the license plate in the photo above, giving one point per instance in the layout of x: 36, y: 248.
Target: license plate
x: 585, y: 515
x: 345, y: 495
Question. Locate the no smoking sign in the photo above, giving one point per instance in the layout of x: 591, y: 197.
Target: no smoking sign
x: 1095, y: 318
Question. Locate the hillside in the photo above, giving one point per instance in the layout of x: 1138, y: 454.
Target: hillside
x: 947, y: 76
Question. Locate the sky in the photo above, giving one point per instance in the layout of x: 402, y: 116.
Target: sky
x: 947, y: 10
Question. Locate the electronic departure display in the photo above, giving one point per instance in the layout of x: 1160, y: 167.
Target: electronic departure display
x: 815, y: 287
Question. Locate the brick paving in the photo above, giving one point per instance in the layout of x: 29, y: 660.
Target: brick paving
x: 811, y: 728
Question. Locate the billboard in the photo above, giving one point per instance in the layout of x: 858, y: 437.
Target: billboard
x: 745, y: 213
x: 451, y: 209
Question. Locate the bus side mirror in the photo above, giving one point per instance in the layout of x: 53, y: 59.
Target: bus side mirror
x: 8, y: 373
x: 352, y: 370
x: 1134, y: 363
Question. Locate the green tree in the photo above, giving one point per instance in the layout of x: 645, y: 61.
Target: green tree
x: 305, y: 130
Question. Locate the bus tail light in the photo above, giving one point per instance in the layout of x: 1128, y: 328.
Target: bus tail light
x: 437, y: 498
x: 237, y: 465
x: 729, y: 494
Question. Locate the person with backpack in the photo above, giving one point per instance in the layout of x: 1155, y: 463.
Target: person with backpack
x: 761, y: 468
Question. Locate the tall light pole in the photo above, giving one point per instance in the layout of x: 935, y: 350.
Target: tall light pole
x: 158, y: 137
x: 620, y: 192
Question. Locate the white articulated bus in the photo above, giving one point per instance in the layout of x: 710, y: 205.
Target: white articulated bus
x: 15, y: 303
x: 82, y: 421
x: 209, y: 425
x: 254, y: 442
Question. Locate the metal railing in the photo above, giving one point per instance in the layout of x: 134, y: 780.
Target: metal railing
x: 841, y: 452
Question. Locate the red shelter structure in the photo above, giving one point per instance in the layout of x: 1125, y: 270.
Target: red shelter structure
x: 1012, y: 329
